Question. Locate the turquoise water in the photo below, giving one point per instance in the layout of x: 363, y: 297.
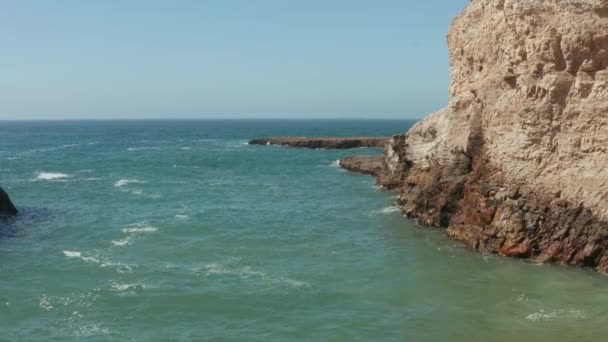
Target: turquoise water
x: 180, y: 231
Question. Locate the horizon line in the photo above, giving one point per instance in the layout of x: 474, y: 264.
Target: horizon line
x: 211, y: 119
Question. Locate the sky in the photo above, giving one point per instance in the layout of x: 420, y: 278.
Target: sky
x: 107, y: 59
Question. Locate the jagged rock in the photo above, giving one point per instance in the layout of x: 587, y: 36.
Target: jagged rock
x: 369, y: 165
x: 6, y: 206
x: 323, y: 142
x: 517, y: 163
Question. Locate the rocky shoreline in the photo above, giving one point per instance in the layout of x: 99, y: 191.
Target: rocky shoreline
x: 322, y: 142
x: 368, y: 165
x: 516, y: 164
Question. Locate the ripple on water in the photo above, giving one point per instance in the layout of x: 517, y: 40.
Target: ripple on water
x: 98, y: 260
x: 247, y: 272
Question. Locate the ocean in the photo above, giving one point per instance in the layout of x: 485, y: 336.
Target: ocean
x: 180, y: 231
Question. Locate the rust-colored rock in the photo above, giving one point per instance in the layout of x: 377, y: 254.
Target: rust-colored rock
x: 517, y: 163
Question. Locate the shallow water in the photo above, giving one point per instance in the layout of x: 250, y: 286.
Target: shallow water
x: 178, y: 230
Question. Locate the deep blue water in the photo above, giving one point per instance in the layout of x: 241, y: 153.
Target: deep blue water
x: 179, y: 230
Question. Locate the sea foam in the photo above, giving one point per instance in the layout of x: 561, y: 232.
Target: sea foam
x: 122, y: 242
x: 78, y: 255
x: 215, y: 269
x: 124, y: 182
x: 138, y: 230
x: 124, y: 287
x: 388, y: 210
x: 47, y: 176
x: 72, y: 254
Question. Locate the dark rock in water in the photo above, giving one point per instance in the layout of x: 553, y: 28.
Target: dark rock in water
x: 7, y: 208
x: 13, y: 226
x: 369, y: 165
x: 323, y: 142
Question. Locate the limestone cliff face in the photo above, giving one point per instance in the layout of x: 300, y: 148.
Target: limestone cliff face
x: 518, y: 162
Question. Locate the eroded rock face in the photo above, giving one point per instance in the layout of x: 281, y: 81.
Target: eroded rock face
x: 517, y: 164
x: 6, y: 206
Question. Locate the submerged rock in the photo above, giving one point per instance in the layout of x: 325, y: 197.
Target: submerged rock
x: 323, y: 142
x: 517, y: 164
x: 6, y: 206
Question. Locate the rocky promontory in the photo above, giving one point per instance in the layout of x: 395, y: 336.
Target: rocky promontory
x: 6, y: 206
x: 369, y: 165
x: 517, y: 163
x: 323, y: 142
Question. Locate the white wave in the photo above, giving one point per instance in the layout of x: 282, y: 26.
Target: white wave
x: 335, y: 163
x: 45, y: 303
x: 388, y: 210
x: 543, y: 315
x: 78, y: 255
x: 294, y: 283
x: 48, y: 176
x: 92, y: 179
x: 244, y: 271
x: 119, y: 267
x: 186, y: 148
x: 72, y: 254
x: 102, y: 262
x: 70, y: 145
x: 125, y: 287
x: 124, y: 182
x: 182, y: 216
x: 132, y: 149
x: 122, y: 242
x: 139, y: 230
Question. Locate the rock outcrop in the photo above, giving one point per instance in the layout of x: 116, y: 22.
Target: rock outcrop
x: 517, y: 163
x: 6, y: 206
x: 323, y: 142
x: 369, y: 165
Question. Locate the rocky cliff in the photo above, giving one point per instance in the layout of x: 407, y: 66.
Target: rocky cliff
x: 517, y: 163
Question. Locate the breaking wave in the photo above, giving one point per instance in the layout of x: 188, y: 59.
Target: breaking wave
x: 50, y: 176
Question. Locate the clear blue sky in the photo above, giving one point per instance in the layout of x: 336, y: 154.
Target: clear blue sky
x: 224, y: 58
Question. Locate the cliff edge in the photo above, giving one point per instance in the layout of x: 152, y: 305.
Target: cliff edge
x: 517, y: 163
